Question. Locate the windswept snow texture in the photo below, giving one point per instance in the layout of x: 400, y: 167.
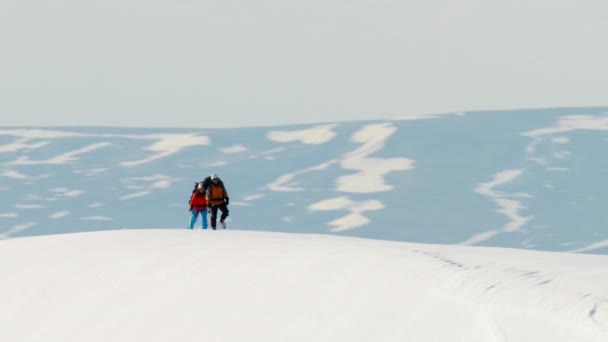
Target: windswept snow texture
x: 169, y: 285
x: 526, y: 178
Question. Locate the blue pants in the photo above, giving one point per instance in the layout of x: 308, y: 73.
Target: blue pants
x: 195, y: 216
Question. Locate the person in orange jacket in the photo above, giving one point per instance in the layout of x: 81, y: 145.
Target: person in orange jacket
x: 217, y: 198
x: 198, y: 205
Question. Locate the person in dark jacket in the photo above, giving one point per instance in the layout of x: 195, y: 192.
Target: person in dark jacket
x: 207, y: 181
x: 198, y: 205
x: 217, y: 198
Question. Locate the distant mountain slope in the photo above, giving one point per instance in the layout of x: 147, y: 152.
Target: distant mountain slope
x: 522, y: 178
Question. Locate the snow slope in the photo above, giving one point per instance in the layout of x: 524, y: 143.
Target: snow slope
x: 179, y: 285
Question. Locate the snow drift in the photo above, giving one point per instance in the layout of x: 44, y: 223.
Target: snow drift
x: 178, y: 285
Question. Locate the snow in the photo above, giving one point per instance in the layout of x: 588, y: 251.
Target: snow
x: 315, y: 135
x: 573, y: 123
x: 14, y: 174
x: 507, y: 206
x: 560, y: 140
x: 369, y: 177
x: 17, y: 228
x: 21, y: 144
x: 96, y: 218
x: 253, y: 197
x: 28, y: 206
x: 565, y: 124
x: 370, y: 171
x: 452, y: 188
x: 233, y: 149
x: 332, y: 204
x: 286, y: 183
x: 63, y: 158
x: 67, y: 192
x: 180, y: 285
x: 216, y: 164
x: 354, y: 218
x: 135, y: 195
x: 167, y: 145
x: 561, y: 154
x: 591, y: 247
x: 26, y: 134
x: 149, y: 183
x: 268, y: 153
x: 91, y: 172
x: 59, y: 214
x: 8, y: 215
x: 157, y: 181
x: 426, y: 116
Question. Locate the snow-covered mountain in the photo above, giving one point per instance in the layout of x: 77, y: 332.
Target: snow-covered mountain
x: 524, y: 178
x: 179, y: 285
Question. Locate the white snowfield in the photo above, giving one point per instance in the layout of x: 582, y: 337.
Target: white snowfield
x: 180, y: 285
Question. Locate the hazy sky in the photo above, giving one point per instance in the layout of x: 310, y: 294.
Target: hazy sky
x: 240, y: 63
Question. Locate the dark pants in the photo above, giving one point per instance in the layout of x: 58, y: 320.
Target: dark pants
x: 214, y: 209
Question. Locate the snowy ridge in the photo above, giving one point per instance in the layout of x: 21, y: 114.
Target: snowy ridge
x: 162, y: 285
